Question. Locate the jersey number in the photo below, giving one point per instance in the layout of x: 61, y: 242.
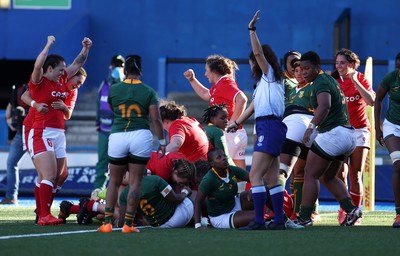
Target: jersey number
x: 126, y: 112
x: 146, y: 208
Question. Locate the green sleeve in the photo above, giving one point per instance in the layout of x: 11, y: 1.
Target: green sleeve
x: 239, y: 172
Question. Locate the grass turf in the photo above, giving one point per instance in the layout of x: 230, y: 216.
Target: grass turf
x: 374, y: 237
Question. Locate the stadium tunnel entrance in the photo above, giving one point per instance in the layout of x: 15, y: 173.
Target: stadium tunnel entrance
x: 14, y: 72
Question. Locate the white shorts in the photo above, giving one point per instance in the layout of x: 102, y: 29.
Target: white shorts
x: 237, y: 144
x: 183, y: 214
x: 296, y: 127
x: 390, y: 129
x: 49, y: 139
x: 363, y: 137
x: 137, y: 143
x: 340, y: 141
x: 226, y: 220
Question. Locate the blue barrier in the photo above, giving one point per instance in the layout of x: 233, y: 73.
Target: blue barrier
x: 81, y: 178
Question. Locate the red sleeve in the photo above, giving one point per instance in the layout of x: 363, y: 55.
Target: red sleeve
x: 364, y: 81
x: 163, y: 166
x: 71, y: 99
x: 177, y: 128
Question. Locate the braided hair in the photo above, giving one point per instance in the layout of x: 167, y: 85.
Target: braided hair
x: 202, y: 167
x: 184, y: 168
x: 213, y: 111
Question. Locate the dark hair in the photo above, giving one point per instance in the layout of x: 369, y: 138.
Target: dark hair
x: 295, y: 63
x: 171, y: 110
x: 270, y: 56
x: 52, y: 60
x: 133, y: 65
x: 222, y: 65
x: 211, y: 153
x: 184, y: 168
x: 350, y: 56
x: 202, y: 167
x: 286, y: 56
x: 312, y: 57
x: 117, y: 61
x: 212, y: 111
x: 397, y: 56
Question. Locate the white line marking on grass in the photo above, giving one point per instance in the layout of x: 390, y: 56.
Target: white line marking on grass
x: 60, y: 233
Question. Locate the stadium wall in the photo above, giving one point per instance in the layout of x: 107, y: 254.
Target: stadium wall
x: 196, y: 29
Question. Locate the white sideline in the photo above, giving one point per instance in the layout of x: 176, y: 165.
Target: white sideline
x: 60, y: 233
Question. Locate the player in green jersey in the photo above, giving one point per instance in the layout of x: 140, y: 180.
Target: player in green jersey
x: 135, y: 104
x: 389, y: 134
x: 335, y: 140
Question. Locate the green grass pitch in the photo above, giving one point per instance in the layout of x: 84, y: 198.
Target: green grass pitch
x: 19, y: 236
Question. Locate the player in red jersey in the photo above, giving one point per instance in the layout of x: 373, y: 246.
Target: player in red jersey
x: 220, y: 72
x: 46, y: 140
x: 359, y: 93
x: 186, y: 135
x: 163, y: 166
x: 72, y: 85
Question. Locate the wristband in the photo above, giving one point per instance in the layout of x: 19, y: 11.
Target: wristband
x: 162, y: 142
x: 197, y: 225
x: 236, y: 123
x: 252, y: 29
x: 33, y: 103
x: 185, y: 191
x: 311, y: 126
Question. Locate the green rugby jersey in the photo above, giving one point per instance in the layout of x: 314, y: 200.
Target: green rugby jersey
x: 130, y: 101
x: 218, y: 140
x: 221, y: 194
x: 289, y: 83
x: 338, y: 113
x: 152, y: 205
x: 391, y: 83
x: 299, y: 101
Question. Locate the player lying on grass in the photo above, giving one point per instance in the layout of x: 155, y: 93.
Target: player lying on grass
x: 161, y: 205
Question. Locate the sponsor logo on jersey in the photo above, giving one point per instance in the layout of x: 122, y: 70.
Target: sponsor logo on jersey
x: 353, y: 98
x: 59, y: 94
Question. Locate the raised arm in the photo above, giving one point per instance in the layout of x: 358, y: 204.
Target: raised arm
x: 256, y: 45
x: 80, y: 59
x: 368, y: 96
x: 37, y: 72
x: 198, y: 87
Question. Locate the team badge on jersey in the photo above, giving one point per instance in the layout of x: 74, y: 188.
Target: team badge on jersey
x: 49, y: 143
x: 260, y: 140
